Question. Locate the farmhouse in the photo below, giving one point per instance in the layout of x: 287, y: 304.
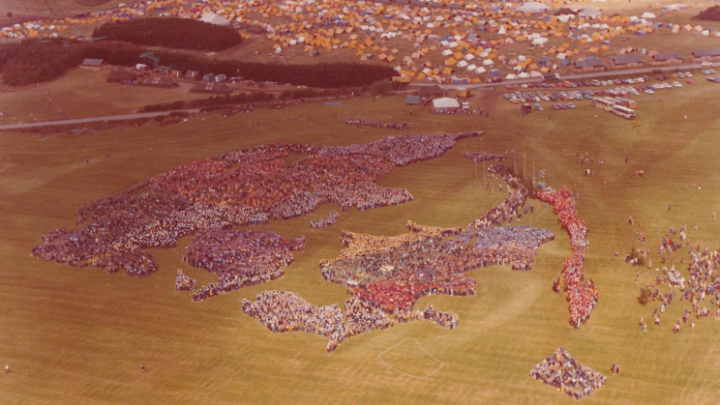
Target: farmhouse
x: 211, y: 87
x: 445, y: 104
x: 666, y: 58
x: 92, y: 64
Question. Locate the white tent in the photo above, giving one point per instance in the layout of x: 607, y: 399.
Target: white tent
x: 480, y: 70
x: 469, y: 57
x: 214, y: 19
x: 471, y: 68
x: 487, y: 62
x: 561, y: 56
x: 502, y: 31
x: 648, y: 15
x: 510, y: 76
x: 446, y: 104
x: 523, y: 75
x: 462, y: 64
x: 447, y: 52
x: 535, y: 73
x: 534, y: 7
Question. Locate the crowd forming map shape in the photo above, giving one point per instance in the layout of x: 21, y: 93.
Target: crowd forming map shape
x: 384, y: 275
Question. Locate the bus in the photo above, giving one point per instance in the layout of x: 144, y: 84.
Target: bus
x: 625, y: 102
x: 627, y: 113
x: 603, y: 103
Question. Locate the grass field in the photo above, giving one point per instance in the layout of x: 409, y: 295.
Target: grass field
x: 78, y: 336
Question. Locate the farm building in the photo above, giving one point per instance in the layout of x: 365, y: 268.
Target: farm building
x: 162, y: 82
x: 590, y: 12
x: 667, y: 57
x: 211, y: 87
x: 589, y: 65
x: 627, y: 61
x: 215, y: 19
x: 125, y: 76
x: 412, y: 100
x: 431, y: 91
x: 533, y: 7
x: 92, y: 63
x: 445, y: 104
x: 707, y: 54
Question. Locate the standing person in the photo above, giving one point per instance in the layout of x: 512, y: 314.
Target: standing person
x: 142, y: 367
x: 7, y: 369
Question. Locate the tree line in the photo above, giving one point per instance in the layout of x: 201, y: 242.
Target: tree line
x: 180, y: 33
x: 37, y: 60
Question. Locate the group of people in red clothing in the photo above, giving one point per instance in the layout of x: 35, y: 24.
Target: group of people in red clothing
x: 582, y: 294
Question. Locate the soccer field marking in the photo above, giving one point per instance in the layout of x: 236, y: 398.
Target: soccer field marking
x: 379, y: 356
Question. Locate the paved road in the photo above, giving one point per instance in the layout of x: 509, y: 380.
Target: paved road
x: 87, y: 120
x: 590, y: 75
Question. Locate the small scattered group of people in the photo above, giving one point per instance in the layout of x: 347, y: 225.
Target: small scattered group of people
x: 245, y: 187
x: 376, y: 124
x: 447, y: 320
x: 484, y: 157
x: 701, y: 284
x: 239, y: 258
x: 184, y: 283
x: 582, y: 294
x: 567, y: 375
x: 509, y: 208
x: 325, y: 222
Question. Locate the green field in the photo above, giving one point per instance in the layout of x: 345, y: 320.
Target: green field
x: 79, y: 336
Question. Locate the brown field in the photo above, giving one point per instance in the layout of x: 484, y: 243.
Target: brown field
x: 78, y: 336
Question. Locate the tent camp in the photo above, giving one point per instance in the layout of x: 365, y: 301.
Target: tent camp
x: 533, y: 7
x: 214, y: 19
x: 445, y: 104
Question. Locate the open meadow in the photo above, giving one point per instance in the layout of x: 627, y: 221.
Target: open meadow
x: 79, y: 336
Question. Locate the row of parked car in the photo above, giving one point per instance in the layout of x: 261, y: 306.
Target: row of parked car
x: 601, y: 83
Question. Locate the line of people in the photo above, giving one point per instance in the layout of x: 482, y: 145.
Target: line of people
x: 484, y: 157
x: 184, y: 283
x: 377, y: 124
x: 582, y: 294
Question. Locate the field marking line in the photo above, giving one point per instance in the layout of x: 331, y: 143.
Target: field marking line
x: 379, y: 356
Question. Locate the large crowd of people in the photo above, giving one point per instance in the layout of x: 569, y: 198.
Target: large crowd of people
x: 284, y: 311
x: 394, y: 272
x: 377, y: 124
x: 246, y: 187
x: 567, y: 375
x: 484, y: 157
x: 239, y: 258
x: 582, y: 294
x: 325, y: 222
